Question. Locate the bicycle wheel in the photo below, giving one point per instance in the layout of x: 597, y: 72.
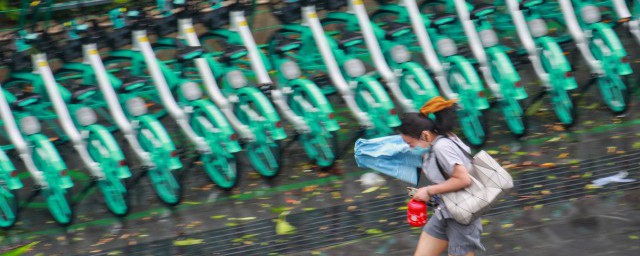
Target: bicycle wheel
x: 113, y: 191
x: 221, y: 166
x: 265, y: 158
x: 514, y: 116
x: 162, y: 179
x: 471, y: 119
x: 58, y: 200
x: 563, y: 106
x: 8, y: 207
x: 612, y: 89
x: 315, y: 142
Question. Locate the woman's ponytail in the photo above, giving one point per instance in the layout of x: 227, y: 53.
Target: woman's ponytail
x: 444, y: 112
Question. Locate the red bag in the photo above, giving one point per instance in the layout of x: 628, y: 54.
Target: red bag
x: 417, y: 213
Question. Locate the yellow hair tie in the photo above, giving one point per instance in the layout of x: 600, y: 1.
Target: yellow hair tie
x: 436, y: 104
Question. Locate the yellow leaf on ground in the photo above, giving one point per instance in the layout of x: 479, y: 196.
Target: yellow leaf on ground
x: 507, y: 225
x: 548, y: 165
x: 187, y: 242
x: 371, y: 189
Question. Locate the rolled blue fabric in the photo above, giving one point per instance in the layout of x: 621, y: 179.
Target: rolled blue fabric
x: 391, y: 156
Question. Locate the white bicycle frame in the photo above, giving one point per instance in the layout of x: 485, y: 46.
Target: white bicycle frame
x: 41, y: 67
x: 622, y: 10
x: 141, y: 43
x: 239, y: 24
x: 524, y: 34
x: 428, y: 51
x: 390, y: 77
x: 92, y: 58
x: 476, y: 45
x: 579, y: 36
x: 187, y: 31
x: 310, y: 19
x: 20, y: 144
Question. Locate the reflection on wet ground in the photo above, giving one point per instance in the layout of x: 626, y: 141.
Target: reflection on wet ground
x: 553, y: 209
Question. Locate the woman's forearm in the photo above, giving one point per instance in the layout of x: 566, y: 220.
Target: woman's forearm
x: 450, y: 185
x: 459, y: 179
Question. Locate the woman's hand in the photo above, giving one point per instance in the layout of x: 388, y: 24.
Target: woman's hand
x: 422, y: 194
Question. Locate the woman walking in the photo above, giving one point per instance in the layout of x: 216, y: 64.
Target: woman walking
x: 446, y: 166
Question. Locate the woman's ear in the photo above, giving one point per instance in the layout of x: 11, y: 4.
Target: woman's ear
x: 425, y: 136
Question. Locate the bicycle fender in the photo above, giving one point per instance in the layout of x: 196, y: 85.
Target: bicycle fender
x: 381, y: 96
x: 613, y: 42
x: 468, y: 71
x: 161, y: 135
x: 115, y: 152
x: 6, y: 167
x: 319, y: 100
x: 218, y: 119
x: 266, y: 108
x: 54, y: 159
x: 507, y: 72
x: 422, y: 77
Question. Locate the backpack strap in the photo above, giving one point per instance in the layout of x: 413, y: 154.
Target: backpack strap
x: 442, y: 172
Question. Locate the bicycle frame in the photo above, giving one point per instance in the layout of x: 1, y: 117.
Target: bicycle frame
x: 602, y: 50
x: 546, y: 56
x: 34, y: 149
x: 368, y: 90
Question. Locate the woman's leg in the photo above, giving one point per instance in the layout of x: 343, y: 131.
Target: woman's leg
x: 430, y: 246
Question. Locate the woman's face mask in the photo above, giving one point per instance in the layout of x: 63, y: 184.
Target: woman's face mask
x: 420, y: 150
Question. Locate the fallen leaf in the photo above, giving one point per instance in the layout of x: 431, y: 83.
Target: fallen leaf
x: 634, y: 237
x: 310, y: 188
x: 283, y: 227
x: 493, y: 152
x: 563, y: 155
x: 187, y: 242
x: 591, y: 186
x: 373, y: 231
x: 216, y: 217
x: 371, y: 189
x: 545, y: 192
x: 548, y: 165
x: 587, y: 175
x: 551, y: 177
x: 611, y: 150
x: 507, y: 225
x: 352, y: 207
x: 538, y: 206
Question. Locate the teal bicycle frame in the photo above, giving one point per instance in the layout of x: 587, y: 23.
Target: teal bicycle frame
x: 408, y: 82
x: 94, y: 143
x: 300, y: 100
x: 602, y: 50
x: 319, y: 53
x: 454, y: 73
x: 40, y: 158
x: 546, y: 56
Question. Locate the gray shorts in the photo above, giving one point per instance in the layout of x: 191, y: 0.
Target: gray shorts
x: 462, y: 238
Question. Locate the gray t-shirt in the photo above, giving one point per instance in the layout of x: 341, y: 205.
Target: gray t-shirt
x: 449, y: 154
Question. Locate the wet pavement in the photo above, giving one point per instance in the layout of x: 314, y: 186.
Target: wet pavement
x: 552, y: 210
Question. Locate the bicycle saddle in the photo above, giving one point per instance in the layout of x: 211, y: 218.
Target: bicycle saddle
x: 80, y: 92
x: 443, y: 19
x: 287, y: 44
x: 482, y: 10
x: 189, y: 52
x: 232, y: 52
x: 394, y: 29
x: 349, y: 38
x: 131, y: 83
x: 23, y: 98
x: 525, y: 4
